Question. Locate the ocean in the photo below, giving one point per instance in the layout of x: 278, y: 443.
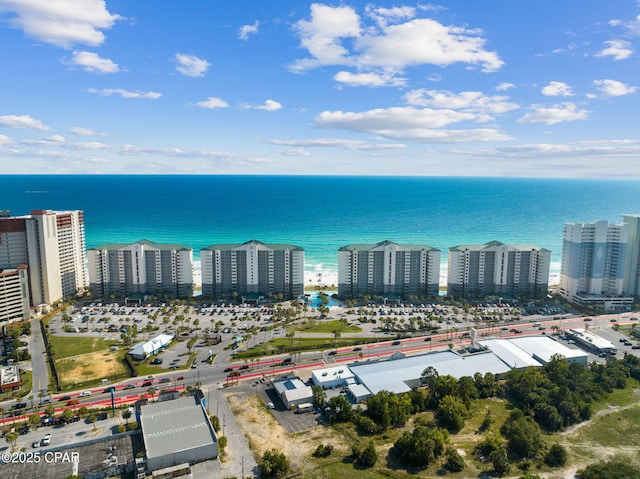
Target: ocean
x: 321, y: 214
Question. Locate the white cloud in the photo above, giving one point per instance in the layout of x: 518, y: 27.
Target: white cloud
x: 55, y: 139
x: 269, y: 105
x: 425, y: 41
x: 191, y: 65
x: 391, y: 118
x: 92, y: 62
x: 5, y: 140
x: 557, y: 88
x: 151, y: 95
x: 555, y: 114
x: 472, y: 101
x: 61, y: 23
x: 614, y: 88
x: 293, y: 152
x: 504, y: 86
x: 390, y: 47
x: 247, y: 30
x: 409, y: 123
x: 212, y: 103
x: 368, y: 79
x: 80, y: 131
x: 618, y: 49
x: 339, y: 143
x: 384, y: 16
x: 22, y: 121
x: 322, y: 34
x: 634, y: 26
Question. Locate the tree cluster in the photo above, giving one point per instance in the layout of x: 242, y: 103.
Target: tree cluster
x: 274, y: 463
x: 560, y: 393
x: 422, y: 446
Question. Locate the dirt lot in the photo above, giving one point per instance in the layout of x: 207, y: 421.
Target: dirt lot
x: 264, y: 432
x: 85, y: 367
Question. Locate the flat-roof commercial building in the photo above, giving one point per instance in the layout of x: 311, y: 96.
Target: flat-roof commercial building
x: 388, y: 268
x: 293, y: 392
x: 14, y: 295
x: 593, y: 265
x: 177, y: 431
x: 401, y: 375
x: 52, y: 245
x: 252, y: 270
x: 590, y: 341
x: 494, y: 268
x: 532, y: 351
x: 332, y: 377
x: 161, y: 270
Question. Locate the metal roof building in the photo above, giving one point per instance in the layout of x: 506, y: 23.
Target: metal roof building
x: 543, y: 348
x: 400, y: 375
x: 514, y: 356
x: 176, y: 432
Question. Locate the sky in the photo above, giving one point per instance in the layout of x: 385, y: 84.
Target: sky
x: 456, y: 88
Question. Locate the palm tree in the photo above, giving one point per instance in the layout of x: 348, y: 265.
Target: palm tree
x: 336, y: 335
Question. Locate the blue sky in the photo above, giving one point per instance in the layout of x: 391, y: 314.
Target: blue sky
x: 464, y: 88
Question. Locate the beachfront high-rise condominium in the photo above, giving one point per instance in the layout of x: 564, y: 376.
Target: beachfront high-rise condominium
x: 52, y: 245
x: 494, y: 268
x: 631, y: 283
x: 146, y: 268
x: 252, y: 270
x: 593, y: 261
x: 14, y: 295
x: 388, y: 269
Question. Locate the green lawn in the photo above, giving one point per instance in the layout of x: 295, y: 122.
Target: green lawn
x: 321, y: 326
x: 69, y: 346
x: 286, y: 345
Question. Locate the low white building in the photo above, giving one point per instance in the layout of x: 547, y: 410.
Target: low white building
x: 529, y: 351
x: 591, y: 341
x: 328, y: 378
x: 293, y: 392
x: 149, y: 348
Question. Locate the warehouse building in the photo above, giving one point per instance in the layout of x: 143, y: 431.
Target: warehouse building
x: 177, y: 432
x: 532, y: 351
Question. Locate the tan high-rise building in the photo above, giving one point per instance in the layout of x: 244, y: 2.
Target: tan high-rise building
x: 52, y: 244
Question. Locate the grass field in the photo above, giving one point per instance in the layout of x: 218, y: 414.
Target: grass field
x: 327, y: 327
x: 81, y: 361
x: 70, y: 346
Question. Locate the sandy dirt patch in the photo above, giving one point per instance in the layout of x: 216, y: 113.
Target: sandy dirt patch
x: 264, y: 432
x: 91, y: 366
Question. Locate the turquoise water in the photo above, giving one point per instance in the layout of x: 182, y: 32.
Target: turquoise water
x: 322, y: 214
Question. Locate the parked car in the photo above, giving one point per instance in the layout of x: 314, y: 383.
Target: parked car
x: 46, y: 440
